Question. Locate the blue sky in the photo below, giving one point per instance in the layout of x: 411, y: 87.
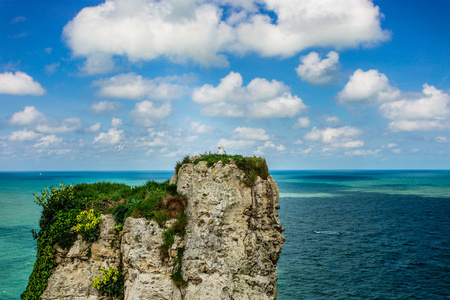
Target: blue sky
x: 138, y: 84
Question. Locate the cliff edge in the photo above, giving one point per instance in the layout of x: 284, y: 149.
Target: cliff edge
x: 228, y: 249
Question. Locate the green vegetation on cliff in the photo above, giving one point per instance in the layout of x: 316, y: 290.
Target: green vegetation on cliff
x: 252, y: 166
x: 68, y: 210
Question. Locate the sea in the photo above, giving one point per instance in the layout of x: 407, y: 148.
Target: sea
x: 349, y: 234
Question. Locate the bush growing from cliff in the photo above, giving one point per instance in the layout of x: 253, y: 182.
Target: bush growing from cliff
x: 111, y: 283
x: 88, y: 225
x: 60, y: 208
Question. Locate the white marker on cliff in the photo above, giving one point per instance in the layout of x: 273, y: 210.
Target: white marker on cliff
x: 221, y: 150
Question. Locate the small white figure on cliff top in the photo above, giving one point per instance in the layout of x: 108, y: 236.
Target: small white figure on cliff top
x: 221, y: 151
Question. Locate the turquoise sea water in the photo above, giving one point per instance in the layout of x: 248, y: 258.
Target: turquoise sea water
x: 349, y: 234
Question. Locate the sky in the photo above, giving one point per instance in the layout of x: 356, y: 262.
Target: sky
x: 307, y: 84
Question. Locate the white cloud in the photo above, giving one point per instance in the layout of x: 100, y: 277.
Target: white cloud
x: 133, y: 86
x: 245, y: 133
x: 115, y: 123
x: 332, y: 138
x: 181, y: 31
x: 429, y: 112
x: 67, y: 125
x: 268, y: 145
x: 94, y: 128
x: 361, y: 152
x: 285, y: 106
x: 259, y: 99
x: 103, y: 107
x: 112, y: 137
x: 368, y: 88
x: 47, y: 141
x: 194, y: 31
x: 316, y: 71
x: 332, y: 119
x: 19, y: 83
x: 23, y: 135
x: 199, y: 128
x: 231, y: 89
x: 309, y: 23
x: 303, y: 122
x: 441, y: 139
x: 28, y: 116
x: 146, y: 114
x: 390, y: 145
x: 31, y: 117
x: 98, y: 63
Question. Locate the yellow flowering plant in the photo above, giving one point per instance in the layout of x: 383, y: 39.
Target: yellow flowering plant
x: 88, y: 225
x: 111, y: 283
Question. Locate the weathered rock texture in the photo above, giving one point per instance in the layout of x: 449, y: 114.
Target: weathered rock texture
x: 233, y: 238
x: 232, y: 245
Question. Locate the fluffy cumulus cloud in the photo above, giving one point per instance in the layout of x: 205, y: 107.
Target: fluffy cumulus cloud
x: 94, y: 128
x: 146, y: 113
x: 105, y: 107
x: 19, y: 83
x: 204, y: 31
x: 112, y: 137
x: 261, y: 98
x: 333, y: 138
x: 303, y: 122
x: 33, y: 118
x: 133, y: 86
x: 116, y: 123
x: 23, y: 135
x: 47, y: 141
x: 316, y: 71
x: 430, y: 111
x: 368, y: 88
x: 30, y: 115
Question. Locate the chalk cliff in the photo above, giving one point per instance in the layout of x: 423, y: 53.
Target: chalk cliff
x: 231, y: 247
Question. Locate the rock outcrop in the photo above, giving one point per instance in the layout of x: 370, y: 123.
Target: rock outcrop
x: 232, y: 244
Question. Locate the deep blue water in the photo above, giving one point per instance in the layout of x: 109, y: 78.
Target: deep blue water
x: 349, y: 234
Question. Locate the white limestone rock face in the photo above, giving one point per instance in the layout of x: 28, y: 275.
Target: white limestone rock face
x: 146, y: 275
x: 72, y: 278
x: 233, y: 238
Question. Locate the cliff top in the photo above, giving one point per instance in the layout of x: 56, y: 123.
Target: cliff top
x: 251, y: 166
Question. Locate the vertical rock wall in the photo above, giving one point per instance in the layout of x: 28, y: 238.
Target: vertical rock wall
x: 233, y: 238
x: 232, y: 245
